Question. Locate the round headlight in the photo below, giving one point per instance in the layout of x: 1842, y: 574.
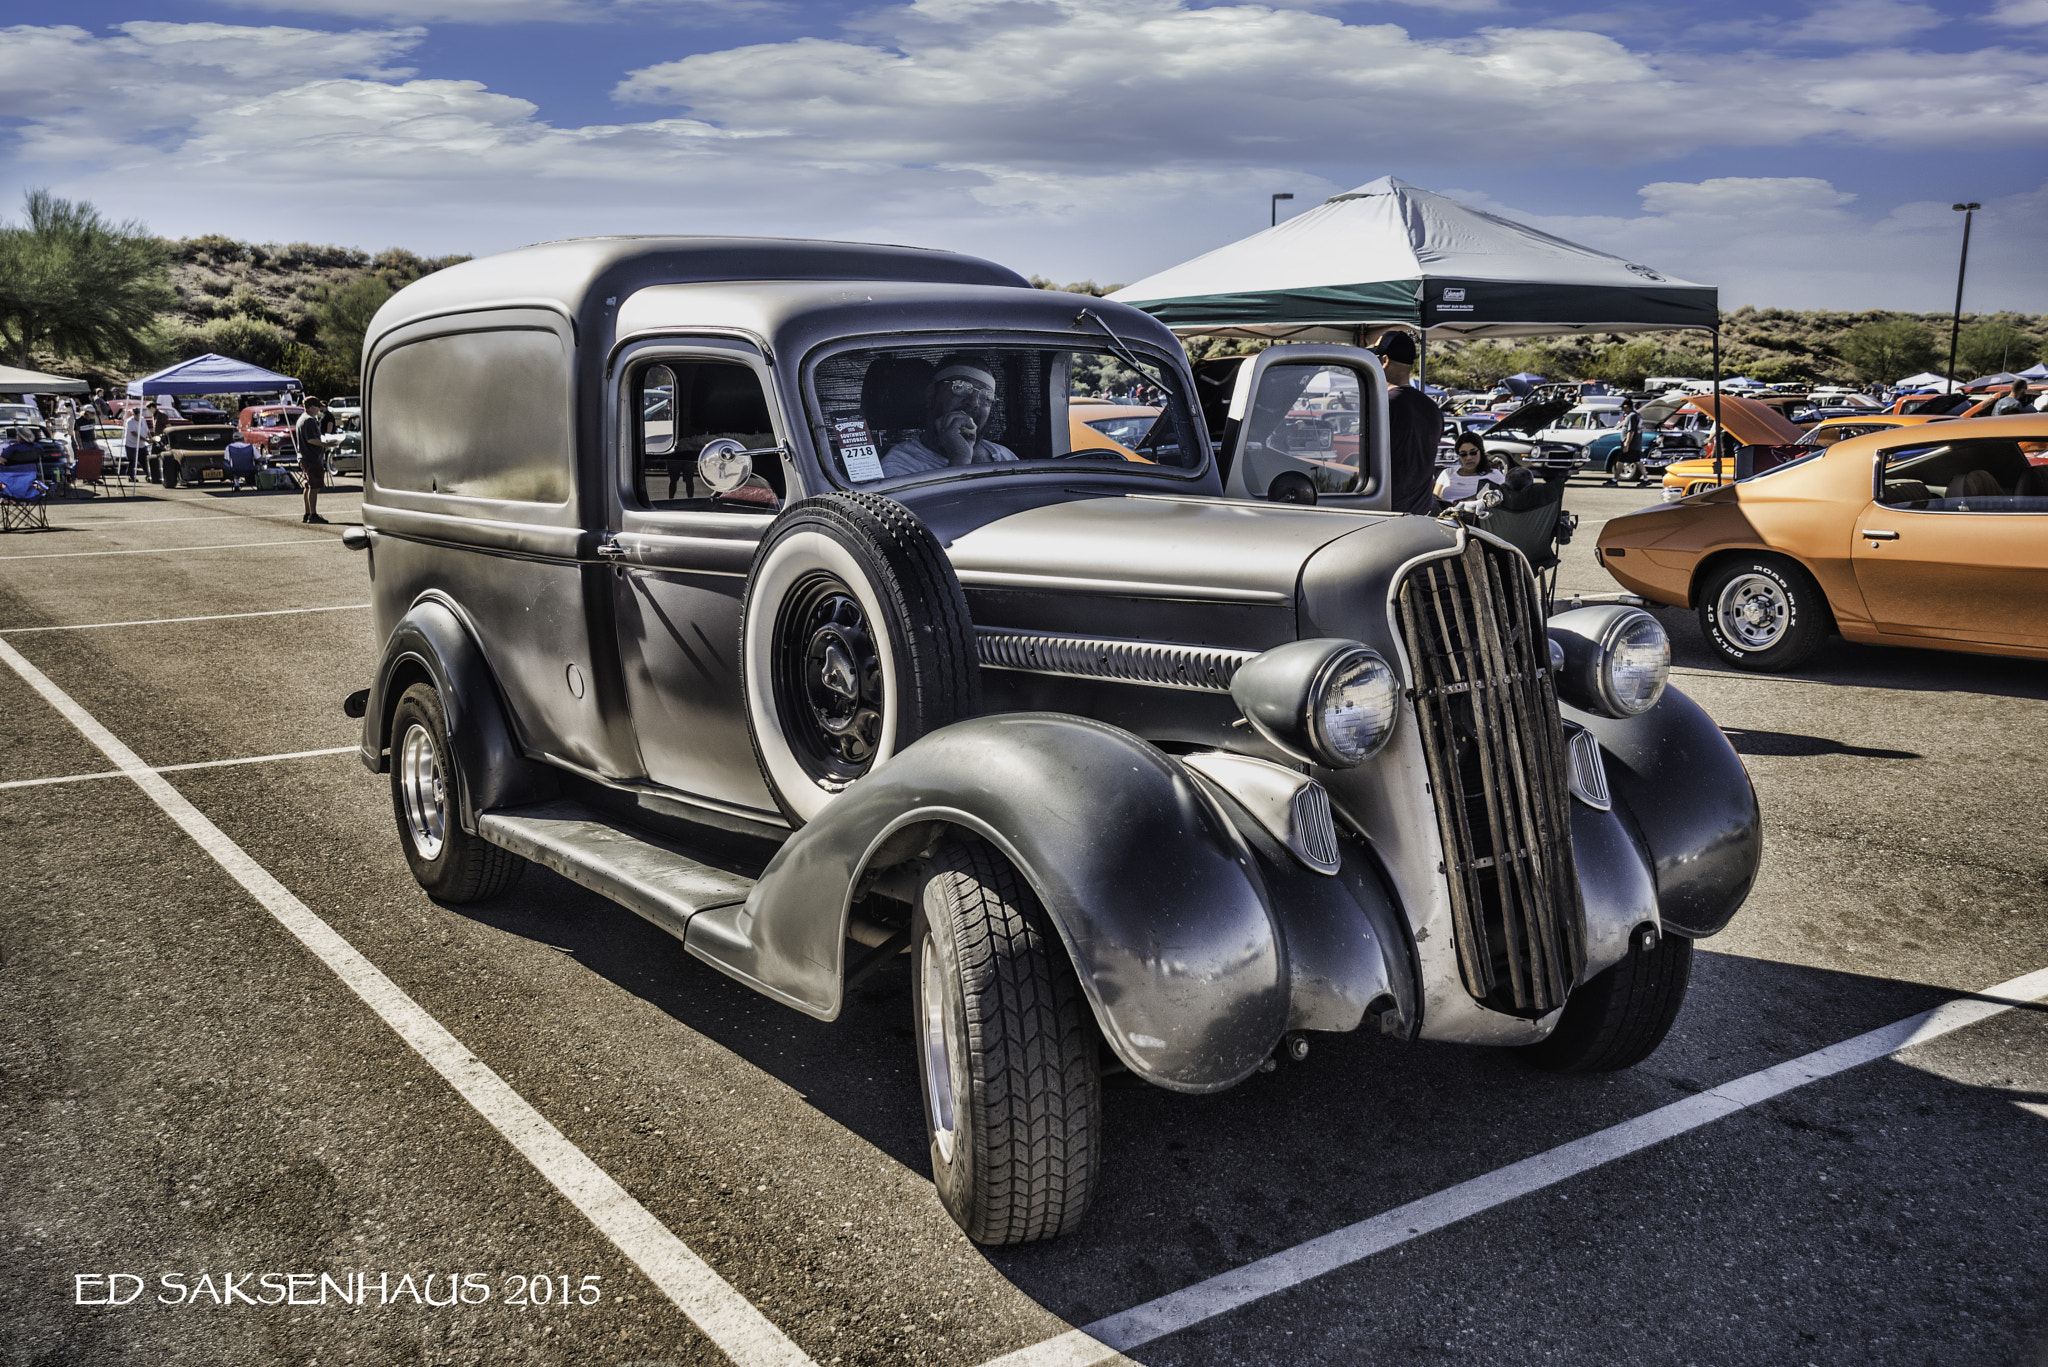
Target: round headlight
x: 1634, y: 664
x: 1352, y: 708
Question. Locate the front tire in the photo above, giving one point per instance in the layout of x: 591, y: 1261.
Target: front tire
x: 1006, y: 1053
x: 451, y: 864
x: 1619, y: 1018
x: 1763, y: 613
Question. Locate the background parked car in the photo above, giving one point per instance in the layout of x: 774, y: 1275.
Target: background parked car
x: 268, y: 428
x: 1932, y: 535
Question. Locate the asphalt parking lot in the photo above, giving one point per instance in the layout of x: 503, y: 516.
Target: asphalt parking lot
x: 187, y: 1092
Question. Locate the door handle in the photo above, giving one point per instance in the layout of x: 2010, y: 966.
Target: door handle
x: 610, y: 549
x: 1876, y: 535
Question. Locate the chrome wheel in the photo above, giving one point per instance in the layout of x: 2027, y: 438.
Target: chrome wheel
x: 424, y: 793
x: 1753, y: 611
x: 1628, y: 470
x: 938, y: 1051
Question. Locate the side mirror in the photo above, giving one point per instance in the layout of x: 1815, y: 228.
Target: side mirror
x: 657, y: 400
x: 724, y: 465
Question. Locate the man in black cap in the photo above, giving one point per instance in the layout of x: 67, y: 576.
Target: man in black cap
x: 1414, y: 423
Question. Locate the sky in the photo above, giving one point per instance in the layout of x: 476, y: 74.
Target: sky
x: 1799, y: 156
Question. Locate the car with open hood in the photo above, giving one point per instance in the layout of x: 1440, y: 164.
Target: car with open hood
x: 1521, y: 438
x: 1928, y: 534
x: 762, y: 588
x: 1740, y: 438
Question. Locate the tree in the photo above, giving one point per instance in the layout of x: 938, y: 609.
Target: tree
x: 1886, y: 350
x: 1988, y: 348
x: 73, y: 284
x: 342, y: 313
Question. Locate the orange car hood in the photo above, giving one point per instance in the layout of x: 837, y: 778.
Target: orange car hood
x: 1752, y: 423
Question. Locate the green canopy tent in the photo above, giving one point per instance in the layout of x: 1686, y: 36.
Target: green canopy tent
x: 1391, y: 255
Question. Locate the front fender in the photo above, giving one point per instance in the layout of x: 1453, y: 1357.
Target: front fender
x: 1680, y: 783
x: 431, y: 642
x: 1154, y: 896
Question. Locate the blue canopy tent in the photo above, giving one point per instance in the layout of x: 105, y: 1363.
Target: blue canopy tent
x: 2037, y: 371
x: 1520, y: 385
x: 212, y: 374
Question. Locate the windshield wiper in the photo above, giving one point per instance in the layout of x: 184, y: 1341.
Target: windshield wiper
x: 1123, y: 352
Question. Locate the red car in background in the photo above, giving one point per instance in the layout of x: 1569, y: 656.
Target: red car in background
x: 268, y: 428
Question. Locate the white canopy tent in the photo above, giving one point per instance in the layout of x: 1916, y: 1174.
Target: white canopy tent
x: 1391, y: 255
x: 13, y: 381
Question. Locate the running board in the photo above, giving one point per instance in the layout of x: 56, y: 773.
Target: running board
x: 642, y: 873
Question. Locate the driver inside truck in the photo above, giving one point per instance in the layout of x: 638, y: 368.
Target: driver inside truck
x: 958, y: 404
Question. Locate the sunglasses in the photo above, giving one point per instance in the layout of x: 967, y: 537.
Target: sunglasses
x: 960, y: 387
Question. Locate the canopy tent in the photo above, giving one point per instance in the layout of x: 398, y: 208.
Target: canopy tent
x: 1998, y: 381
x: 212, y: 374
x: 1742, y: 382
x: 14, y: 381
x: 1926, y: 379
x: 1390, y: 254
x: 2036, y: 371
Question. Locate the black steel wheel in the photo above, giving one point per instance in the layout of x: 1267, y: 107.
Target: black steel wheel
x: 451, y: 864
x: 1619, y: 1018
x: 854, y: 642
x: 1005, y: 1053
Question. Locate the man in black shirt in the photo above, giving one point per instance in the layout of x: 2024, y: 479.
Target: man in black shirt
x: 306, y: 436
x: 1414, y: 423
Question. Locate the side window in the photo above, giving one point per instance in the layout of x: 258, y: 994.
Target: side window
x: 475, y: 415
x: 1305, y: 433
x: 1964, y: 477
x: 678, y: 406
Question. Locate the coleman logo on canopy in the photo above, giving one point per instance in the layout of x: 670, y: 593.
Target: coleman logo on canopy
x: 1643, y: 271
x: 1454, y: 296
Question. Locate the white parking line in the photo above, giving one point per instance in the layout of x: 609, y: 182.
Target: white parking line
x: 173, y: 550
x: 727, y: 1318
x: 180, y: 768
x: 167, y: 621
x: 222, y: 516
x: 1104, y: 1340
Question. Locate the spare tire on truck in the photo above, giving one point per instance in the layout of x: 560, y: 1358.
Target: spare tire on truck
x: 854, y: 642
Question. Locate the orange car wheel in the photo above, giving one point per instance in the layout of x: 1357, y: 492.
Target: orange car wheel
x: 1763, y: 613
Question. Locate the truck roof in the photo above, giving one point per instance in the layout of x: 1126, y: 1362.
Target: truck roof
x: 576, y: 277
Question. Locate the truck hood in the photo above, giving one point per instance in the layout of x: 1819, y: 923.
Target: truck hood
x: 1151, y: 546
x: 1200, y: 570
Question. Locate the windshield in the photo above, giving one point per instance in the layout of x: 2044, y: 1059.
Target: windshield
x: 904, y: 412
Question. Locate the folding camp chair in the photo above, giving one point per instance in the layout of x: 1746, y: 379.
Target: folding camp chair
x: 89, y: 466
x: 240, y: 458
x: 1535, y: 523
x: 21, y: 500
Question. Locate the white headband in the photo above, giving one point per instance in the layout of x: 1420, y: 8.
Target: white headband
x: 966, y: 372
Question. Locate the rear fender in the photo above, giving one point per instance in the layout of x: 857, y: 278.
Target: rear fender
x: 1157, y: 900
x: 1678, y: 781
x: 430, y: 642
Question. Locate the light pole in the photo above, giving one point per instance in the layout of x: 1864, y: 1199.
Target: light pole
x: 1276, y: 209
x: 1955, y: 327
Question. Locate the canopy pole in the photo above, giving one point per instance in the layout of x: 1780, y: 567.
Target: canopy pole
x: 1422, y: 358
x: 1720, y: 426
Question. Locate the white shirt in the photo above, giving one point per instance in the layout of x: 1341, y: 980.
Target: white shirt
x: 911, y: 457
x: 1453, y: 487
x: 135, y: 432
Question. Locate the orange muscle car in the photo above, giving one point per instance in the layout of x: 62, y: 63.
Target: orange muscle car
x: 1932, y: 535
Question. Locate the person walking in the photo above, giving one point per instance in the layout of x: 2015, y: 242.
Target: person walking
x: 306, y: 436
x: 1631, y: 452
x: 135, y: 441
x: 1414, y: 423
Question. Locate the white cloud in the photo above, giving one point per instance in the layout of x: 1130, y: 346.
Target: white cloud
x: 1860, y: 23
x: 2021, y: 13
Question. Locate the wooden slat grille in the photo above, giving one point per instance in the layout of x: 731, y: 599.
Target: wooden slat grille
x: 1495, y: 746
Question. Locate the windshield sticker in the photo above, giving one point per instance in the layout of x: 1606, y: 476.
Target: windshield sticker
x: 856, y: 445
